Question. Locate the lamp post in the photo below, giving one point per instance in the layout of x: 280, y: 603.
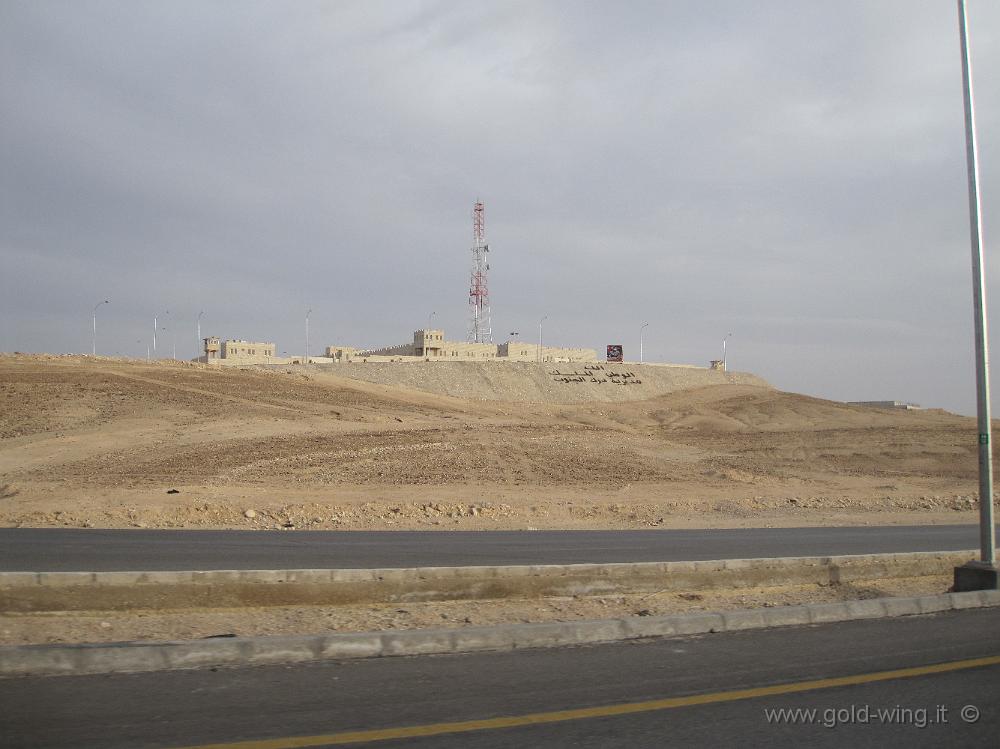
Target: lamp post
x: 155, y: 328
x: 429, y: 318
x: 199, y: 327
x: 93, y: 346
x: 306, y: 360
x: 982, y: 574
x: 642, y: 329
x: 724, y: 360
x: 546, y: 317
x: 165, y: 328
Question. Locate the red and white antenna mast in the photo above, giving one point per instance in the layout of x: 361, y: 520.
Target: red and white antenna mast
x: 480, y: 323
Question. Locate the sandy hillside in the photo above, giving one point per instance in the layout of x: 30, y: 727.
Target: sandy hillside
x: 538, y: 383
x: 103, y: 443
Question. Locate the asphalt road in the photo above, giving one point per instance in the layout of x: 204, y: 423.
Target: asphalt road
x: 509, y: 695
x: 93, y: 550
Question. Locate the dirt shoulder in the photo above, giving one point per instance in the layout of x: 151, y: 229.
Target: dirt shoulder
x: 248, y: 622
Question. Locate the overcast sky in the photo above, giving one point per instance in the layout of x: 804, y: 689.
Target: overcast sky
x: 792, y: 172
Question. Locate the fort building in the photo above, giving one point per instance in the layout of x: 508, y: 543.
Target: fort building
x: 237, y: 351
x: 427, y: 345
x: 430, y: 345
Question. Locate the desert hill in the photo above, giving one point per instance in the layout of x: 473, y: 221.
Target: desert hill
x: 101, y: 442
x: 528, y: 382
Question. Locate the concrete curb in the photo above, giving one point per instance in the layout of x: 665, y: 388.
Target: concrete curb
x: 129, y: 657
x: 25, y: 592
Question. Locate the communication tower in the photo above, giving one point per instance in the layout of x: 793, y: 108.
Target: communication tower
x: 480, y: 322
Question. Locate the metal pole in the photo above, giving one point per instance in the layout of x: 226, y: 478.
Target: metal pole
x: 725, y: 362
x: 164, y: 328
x: 986, y: 531
x: 429, y: 318
x: 642, y: 328
x: 540, y: 336
x: 154, y: 334
x: 306, y: 361
x: 199, y: 328
x: 93, y: 346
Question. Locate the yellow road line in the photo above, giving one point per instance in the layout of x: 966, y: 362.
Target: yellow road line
x: 558, y: 716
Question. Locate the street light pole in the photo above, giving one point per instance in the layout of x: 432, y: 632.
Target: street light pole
x: 725, y: 363
x: 540, y: 336
x: 93, y: 346
x: 164, y: 328
x: 642, y: 329
x: 199, y: 328
x: 429, y: 318
x: 984, y: 574
x: 306, y: 361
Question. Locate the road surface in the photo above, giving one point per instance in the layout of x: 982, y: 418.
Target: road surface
x: 712, y: 690
x: 93, y: 550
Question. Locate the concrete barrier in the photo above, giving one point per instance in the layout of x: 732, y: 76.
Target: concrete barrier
x: 26, y: 592
x: 127, y: 657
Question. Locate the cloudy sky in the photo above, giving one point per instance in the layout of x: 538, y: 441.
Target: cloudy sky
x: 790, y: 171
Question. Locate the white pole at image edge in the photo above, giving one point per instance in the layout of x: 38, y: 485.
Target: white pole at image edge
x: 987, y: 534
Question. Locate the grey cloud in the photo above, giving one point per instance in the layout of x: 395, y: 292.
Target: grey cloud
x: 793, y: 172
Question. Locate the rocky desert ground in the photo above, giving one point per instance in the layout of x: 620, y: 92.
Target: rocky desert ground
x: 99, y: 442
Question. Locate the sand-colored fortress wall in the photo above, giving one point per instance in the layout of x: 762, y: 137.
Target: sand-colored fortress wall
x: 431, y: 344
x: 235, y: 351
x: 341, y: 353
x: 428, y: 344
x: 524, y: 351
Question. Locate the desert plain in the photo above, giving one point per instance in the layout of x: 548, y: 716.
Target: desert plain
x: 115, y: 443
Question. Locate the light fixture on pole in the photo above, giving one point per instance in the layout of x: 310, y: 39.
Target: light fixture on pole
x: 429, y: 318
x: 306, y: 360
x: 642, y: 329
x: 725, y: 362
x: 199, y: 328
x: 540, y: 336
x: 981, y: 574
x: 93, y: 346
